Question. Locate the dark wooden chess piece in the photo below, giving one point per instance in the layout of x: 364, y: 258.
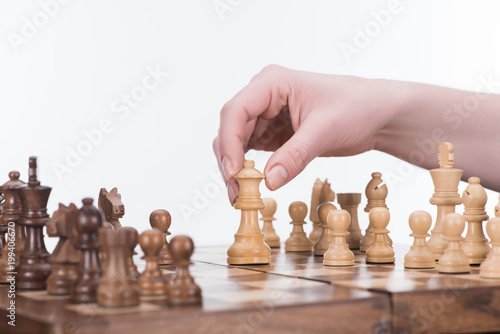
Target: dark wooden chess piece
x: 66, y: 256
x: 117, y: 288
x: 152, y: 282
x: 182, y: 290
x: 132, y: 243
x: 34, y: 267
x: 161, y: 220
x: 11, y: 213
x: 88, y: 222
x: 110, y: 203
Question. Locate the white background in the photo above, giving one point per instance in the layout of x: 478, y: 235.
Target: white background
x: 69, y: 73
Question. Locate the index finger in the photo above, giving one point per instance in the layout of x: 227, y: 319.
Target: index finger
x: 264, y: 96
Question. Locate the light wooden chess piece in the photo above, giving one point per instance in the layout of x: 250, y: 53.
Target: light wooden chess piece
x: 321, y: 193
x: 380, y: 251
x: 420, y: 255
x: 490, y: 268
x: 350, y: 202
x: 152, y: 282
x: 376, y: 193
x: 160, y: 219
x: 338, y: 253
x: 445, y: 197
x: 182, y: 289
x: 454, y: 260
x: 323, y: 243
x: 249, y: 246
x: 497, y: 208
x: 270, y: 236
x: 475, y: 244
x: 298, y: 240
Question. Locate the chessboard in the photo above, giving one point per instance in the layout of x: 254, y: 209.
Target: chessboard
x: 296, y: 293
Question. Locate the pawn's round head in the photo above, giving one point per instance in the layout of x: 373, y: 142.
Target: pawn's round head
x: 420, y: 222
x: 132, y: 236
x: 324, y: 210
x: 454, y: 224
x: 160, y: 219
x: 298, y: 210
x: 270, y: 207
x: 379, y: 217
x: 493, y: 229
x: 151, y: 242
x: 181, y: 248
x: 339, y: 220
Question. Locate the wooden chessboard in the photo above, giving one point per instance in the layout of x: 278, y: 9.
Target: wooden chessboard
x: 294, y: 294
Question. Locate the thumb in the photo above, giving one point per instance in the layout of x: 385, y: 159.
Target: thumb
x: 291, y: 158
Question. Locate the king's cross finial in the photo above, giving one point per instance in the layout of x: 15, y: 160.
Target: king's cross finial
x: 446, y: 156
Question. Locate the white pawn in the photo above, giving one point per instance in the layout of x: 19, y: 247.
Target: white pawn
x: 380, y: 251
x: 475, y: 244
x: 490, y: 268
x: 454, y: 260
x: 270, y: 236
x: 339, y: 254
x: 326, y: 236
x: 420, y: 255
x: 298, y: 240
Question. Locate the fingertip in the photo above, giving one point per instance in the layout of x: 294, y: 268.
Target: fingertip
x: 232, y: 191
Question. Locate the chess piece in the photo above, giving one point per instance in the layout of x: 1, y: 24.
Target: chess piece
x: 350, y: 202
x: 152, y: 282
x: 66, y: 256
x: 161, y: 220
x: 298, y: 240
x: 376, y: 193
x: 88, y: 222
x: 182, y: 290
x: 454, y: 260
x: 132, y: 241
x: 117, y: 287
x: 11, y: 213
x: 249, y: 246
x: 34, y: 267
x: 475, y: 244
x: 326, y: 236
x: 321, y: 193
x: 110, y: 203
x: 339, y: 254
x: 490, y: 268
x: 445, y: 197
x: 270, y: 236
x: 420, y: 255
x: 380, y: 250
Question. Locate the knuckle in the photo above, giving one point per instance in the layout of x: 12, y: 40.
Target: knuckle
x: 299, y: 156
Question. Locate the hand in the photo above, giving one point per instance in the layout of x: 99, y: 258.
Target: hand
x: 300, y: 116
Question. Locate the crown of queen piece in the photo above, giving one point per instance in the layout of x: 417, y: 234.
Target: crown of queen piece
x: 249, y: 180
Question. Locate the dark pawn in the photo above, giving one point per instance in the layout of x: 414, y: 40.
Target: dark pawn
x: 152, y: 282
x: 11, y: 213
x: 117, y: 287
x: 161, y: 220
x: 133, y: 240
x: 182, y: 290
x: 66, y: 256
x: 34, y: 267
x: 88, y: 222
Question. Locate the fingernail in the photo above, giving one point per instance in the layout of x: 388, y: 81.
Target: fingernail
x: 277, y: 177
x: 232, y: 192
x: 227, y: 167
